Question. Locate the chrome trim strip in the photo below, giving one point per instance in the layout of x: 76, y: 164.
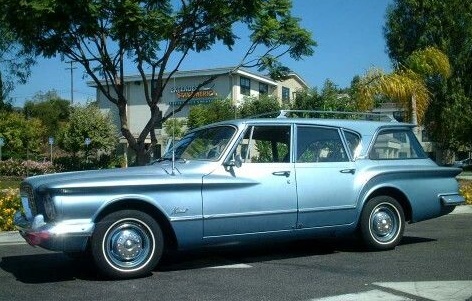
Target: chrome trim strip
x: 322, y: 209
x: 249, y: 214
x: 186, y: 218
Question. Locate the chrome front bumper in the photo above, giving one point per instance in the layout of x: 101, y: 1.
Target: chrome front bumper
x: 67, y: 236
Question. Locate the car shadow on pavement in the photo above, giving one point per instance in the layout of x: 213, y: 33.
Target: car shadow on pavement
x: 48, y: 267
x: 57, y: 267
x: 409, y: 240
x: 247, y: 254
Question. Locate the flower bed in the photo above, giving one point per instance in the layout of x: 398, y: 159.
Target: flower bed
x: 9, y: 203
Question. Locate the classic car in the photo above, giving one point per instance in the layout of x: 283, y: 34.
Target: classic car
x: 239, y: 181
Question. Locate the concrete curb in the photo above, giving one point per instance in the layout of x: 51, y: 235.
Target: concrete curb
x: 13, y: 237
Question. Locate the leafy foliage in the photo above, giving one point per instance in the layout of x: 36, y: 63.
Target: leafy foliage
x: 466, y: 191
x: 157, y: 36
x: 15, y: 64
x: 22, y: 169
x: 50, y: 109
x: 88, y: 122
x: 446, y: 25
x: 9, y: 203
x: 175, y: 127
x: 406, y: 85
x: 22, y: 137
x: 253, y: 106
x: 214, y: 111
x: 330, y: 98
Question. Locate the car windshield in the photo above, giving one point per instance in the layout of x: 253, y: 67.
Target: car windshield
x: 204, y: 144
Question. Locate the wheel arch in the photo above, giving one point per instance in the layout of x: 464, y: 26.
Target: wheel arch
x: 395, y: 193
x: 170, y: 238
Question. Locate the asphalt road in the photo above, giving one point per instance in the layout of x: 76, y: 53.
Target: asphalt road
x: 433, y: 262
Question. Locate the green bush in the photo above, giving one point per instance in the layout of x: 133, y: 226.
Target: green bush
x: 466, y: 191
x: 17, y: 168
x: 9, y: 203
x: 74, y: 163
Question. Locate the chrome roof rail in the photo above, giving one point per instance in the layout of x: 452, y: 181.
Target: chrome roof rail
x: 327, y: 115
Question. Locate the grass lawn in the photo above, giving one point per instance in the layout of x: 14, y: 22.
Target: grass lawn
x: 9, y: 182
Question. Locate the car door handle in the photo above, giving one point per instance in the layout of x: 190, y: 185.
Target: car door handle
x: 282, y: 173
x: 349, y: 170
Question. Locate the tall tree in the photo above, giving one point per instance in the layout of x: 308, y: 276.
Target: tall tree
x: 446, y: 25
x: 15, y: 64
x: 406, y: 85
x: 52, y: 110
x: 88, y: 122
x: 330, y: 98
x: 215, y: 111
x: 253, y: 106
x: 22, y: 136
x: 157, y: 36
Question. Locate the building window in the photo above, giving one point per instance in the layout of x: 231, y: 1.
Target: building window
x: 245, y: 84
x: 285, y: 94
x: 263, y: 89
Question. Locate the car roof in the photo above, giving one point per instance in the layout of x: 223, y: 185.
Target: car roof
x: 363, y: 127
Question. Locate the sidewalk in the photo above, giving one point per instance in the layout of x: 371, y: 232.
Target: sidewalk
x: 13, y: 237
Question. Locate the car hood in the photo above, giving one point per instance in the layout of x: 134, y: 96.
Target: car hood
x: 157, y: 173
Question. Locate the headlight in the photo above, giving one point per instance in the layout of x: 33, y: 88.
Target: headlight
x: 49, y: 207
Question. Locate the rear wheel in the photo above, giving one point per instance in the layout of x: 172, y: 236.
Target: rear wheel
x: 382, y: 223
x: 126, y: 244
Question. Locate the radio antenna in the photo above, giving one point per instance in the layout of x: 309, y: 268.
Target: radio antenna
x: 173, y: 131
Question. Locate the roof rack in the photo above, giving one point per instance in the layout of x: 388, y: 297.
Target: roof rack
x: 327, y: 115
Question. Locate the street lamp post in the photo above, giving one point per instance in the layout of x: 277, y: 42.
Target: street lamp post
x: 71, y: 68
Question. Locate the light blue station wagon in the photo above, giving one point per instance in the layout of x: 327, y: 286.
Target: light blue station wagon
x: 239, y: 181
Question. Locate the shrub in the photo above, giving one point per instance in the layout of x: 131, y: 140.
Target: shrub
x: 9, y: 203
x: 466, y: 191
x: 16, y: 168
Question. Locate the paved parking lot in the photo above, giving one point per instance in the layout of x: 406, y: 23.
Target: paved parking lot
x: 433, y: 262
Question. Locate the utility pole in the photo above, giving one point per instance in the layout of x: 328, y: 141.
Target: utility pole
x: 71, y: 68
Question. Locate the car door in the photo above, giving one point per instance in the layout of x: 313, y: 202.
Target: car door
x: 325, y: 177
x: 257, y: 194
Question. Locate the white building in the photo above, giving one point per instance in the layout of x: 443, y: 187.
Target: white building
x: 232, y: 83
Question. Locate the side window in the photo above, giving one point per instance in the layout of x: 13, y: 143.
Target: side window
x: 265, y: 144
x: 353, y: 142
x: 316, y: 144
x: 396, y: 144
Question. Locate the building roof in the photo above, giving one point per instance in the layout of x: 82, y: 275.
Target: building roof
x: 213, y: 71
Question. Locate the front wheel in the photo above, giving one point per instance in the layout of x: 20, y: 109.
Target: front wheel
x: 127, y: 244
x: 382, y: 223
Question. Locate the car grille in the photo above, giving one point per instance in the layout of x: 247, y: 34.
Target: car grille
x: 27, y: 191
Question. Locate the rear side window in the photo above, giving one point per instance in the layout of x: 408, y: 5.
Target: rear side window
x: 396, y: 144
x: 315, y: 144
x: 353, y: 143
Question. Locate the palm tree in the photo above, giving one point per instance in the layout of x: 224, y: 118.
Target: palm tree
x: 406, y: 85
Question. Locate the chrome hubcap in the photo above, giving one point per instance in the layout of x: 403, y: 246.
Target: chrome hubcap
x: 384, y: 223
x: 128, y: 244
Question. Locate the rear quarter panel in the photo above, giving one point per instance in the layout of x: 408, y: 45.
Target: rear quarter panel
x: 421, y: 185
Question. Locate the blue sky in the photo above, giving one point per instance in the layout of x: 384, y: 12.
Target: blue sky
x: 349, y: 35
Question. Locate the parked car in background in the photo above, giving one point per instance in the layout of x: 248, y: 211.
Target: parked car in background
x: 239, y: 181
x: 466, y: 163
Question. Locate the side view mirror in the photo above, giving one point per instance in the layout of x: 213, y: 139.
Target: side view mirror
x: 235, y: 161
